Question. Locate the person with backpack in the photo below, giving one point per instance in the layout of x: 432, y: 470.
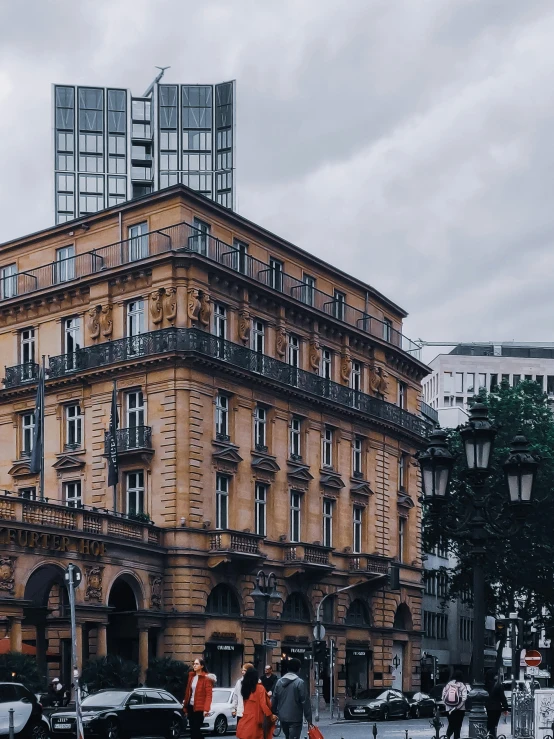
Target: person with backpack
x: 291, y: 701
x: 495, y: 703
x: 454, y: 696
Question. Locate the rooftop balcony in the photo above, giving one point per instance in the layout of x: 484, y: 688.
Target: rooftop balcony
x: 182, y: 238
x: 194, y: 341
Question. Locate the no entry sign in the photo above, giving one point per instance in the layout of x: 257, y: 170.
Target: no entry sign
x: 533, y: 658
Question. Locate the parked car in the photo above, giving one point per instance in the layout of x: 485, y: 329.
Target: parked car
x: 222, y: 716
x: 112, y: 714
x: 27, y: 717
x: 376, y: 703
x: 421, y: 704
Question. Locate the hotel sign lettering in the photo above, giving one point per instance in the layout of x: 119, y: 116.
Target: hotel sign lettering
x: 51, y: 542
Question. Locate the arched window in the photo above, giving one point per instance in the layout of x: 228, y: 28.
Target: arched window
x: 222, y: 602
x: 295, y: 608
x: 357, y: 614
x: 403, y: 618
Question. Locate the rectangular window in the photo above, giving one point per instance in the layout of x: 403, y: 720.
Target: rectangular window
x: 482, y: 379
x: 222, y: 417
x: 260, y: 508
x: 387, y: 329
x: 260, y: 429
x: 295, y: 515
x: 516, y: 380
x: 221, y: 502
x: 27, y: 433
x: 327, y: 447
x: 135, y: 318
x: 401, y: 539
x: 199, y: 240
x: 308, y: 292
x: 220, y: 321
x: 258, y: 336
x: 73, y: 426
x: 138, y: 241
x: 8, y: 284
x: 357, y: 446
x: 28, y: 493
x: 442, y: 584
x: 471, y: 382
x: 326, y: 366
x: 447, y: 382
x: 134, y: 409
x: 430, y: 580
x: 294, y: 350
x: 493, y: 383
x: 402, y: 395
x: 72, y: 494
x: 27, y: 346
x: 442, y: 548
x: 135, y: 492
x: 276, y: 274
x: 65, y: 264
x: 550, y: 384
x: 402, y: 472
x: 72, y: 340
x: 356, y: 376
x: 539, y: 379
x: 339, y: 300
x: 327, y: 523
x: 296, y: 438
x: 357, y: 518
x: 459, y: 387
x: 240, y: 256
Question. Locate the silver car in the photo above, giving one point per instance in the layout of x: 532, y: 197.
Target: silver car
x: 222, y: 716
x: 27, y: 712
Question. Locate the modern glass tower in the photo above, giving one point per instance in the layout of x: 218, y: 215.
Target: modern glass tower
x: 110, y: 146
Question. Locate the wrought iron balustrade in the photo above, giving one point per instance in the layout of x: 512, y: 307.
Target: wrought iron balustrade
x: 128, y: 439
x: 431, y: 413
x: 177, y: 340
x: 20, y: 374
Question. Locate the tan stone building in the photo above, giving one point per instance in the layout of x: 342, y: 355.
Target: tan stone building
x: 269, y: 411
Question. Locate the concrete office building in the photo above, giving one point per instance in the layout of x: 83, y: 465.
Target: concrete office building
x: 111, y: 146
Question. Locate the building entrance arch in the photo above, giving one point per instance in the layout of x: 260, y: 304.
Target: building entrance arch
x: 123, y: 602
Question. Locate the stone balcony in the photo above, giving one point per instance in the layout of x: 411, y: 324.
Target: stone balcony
x: 234, y: 547
x: 309, y: 559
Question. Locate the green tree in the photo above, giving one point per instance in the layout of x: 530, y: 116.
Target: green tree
x: 21, y: 668
x: 110, y: 672
x: 170, y: 674
x: 519, y: 570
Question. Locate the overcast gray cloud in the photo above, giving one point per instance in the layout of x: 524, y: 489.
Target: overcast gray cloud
x: 407, y: 141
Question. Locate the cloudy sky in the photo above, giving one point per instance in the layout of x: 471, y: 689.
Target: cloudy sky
x: 410, y: 142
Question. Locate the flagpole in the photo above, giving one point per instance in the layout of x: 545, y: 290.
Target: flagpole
x: 114, y: 396
x: 41, y: 483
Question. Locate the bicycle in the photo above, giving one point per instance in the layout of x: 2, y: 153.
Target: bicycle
x: 277, y: 729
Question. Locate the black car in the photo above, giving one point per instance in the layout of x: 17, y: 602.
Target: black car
x: 377, y: 703
x: 421, y: 704
x: 113, y: 714
x: 27, y: 712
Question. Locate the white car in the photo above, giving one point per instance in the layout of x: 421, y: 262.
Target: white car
x: 27, y: 712
x: 222, y: 716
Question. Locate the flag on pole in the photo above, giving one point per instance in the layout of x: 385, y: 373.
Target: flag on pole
x: 37, y: 453
x: 113, y: 468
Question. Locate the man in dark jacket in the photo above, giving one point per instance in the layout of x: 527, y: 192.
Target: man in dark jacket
x: 291, y: 701
x: 495, y: 703
x: 268, y: 680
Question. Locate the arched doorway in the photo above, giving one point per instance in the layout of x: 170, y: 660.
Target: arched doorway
x: 296, y: 609
x: 402, y: 622
x: 223, y: 656
x: 122, y: 633
x: 358, y: 653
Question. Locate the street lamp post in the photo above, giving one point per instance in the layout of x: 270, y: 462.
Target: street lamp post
x: 266, y: 589
x: 478, y: 524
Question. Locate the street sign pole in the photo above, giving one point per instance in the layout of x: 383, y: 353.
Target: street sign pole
x: 331, y: 672
x: 316, y: 672
x: 73, y: 578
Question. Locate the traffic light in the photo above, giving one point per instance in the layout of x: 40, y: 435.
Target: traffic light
x: 501, y: 629
x: 319, y: 648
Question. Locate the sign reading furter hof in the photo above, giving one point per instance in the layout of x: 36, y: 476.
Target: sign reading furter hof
x: 51, y: 542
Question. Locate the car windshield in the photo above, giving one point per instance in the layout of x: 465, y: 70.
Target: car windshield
x: 107, y: 698
x: 221, y: 696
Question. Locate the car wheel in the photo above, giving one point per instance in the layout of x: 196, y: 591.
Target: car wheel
x: 39, y: 731
x: 418, y: 712
x: 112, y: 729
x: 220, y: 725
x: 385, y: 714
x: 174, y: 730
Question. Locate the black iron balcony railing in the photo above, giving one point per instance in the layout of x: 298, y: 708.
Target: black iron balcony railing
x: 21, y: 374
x: 183, y: 237
x: 177, y: 340
x: 429, y: 412
x: 129, y: 439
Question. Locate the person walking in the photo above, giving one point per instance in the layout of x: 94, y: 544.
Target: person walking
x: 454, y: 696
x: 236, y: 698
x: 268, y: 680
x: 257, y: 709
x: 291, y: 701
x: 198, y: 697
x: 495, y: 703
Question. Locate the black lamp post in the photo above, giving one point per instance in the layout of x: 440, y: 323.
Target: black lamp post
x: 479, y: 524
x: 266, y: 589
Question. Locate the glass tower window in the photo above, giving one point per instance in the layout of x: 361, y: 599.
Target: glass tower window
x: 91, y: 109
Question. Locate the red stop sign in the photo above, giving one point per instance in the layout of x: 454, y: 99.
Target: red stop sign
x: 533, y: 658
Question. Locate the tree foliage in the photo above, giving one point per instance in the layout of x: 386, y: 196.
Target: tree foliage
x: 21, y: 668
x: 519, y: 570
x: 110, y: 672
x: 170, y: 674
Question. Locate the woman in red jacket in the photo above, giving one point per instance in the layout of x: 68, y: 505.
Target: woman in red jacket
x: 256, y: 708
x: 198, y: 697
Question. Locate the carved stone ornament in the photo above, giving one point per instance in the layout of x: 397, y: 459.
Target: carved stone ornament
x: 7, y: 574
x: 106, y: 322
x: 170, y: 304
x: 374, y: 380
x: 315, y: 355
x: 205, y: 308
x: 345, y: 368
x: 281, y: 342
x: 94, y: 322
x: 94, y: 583
x: 156, y: 306
x: 244, y: 326
x: 193, y: 304
x: 155, y: 592
x: 383, y: 384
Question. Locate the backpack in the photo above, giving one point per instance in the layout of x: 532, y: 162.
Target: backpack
x: 452, y: 696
